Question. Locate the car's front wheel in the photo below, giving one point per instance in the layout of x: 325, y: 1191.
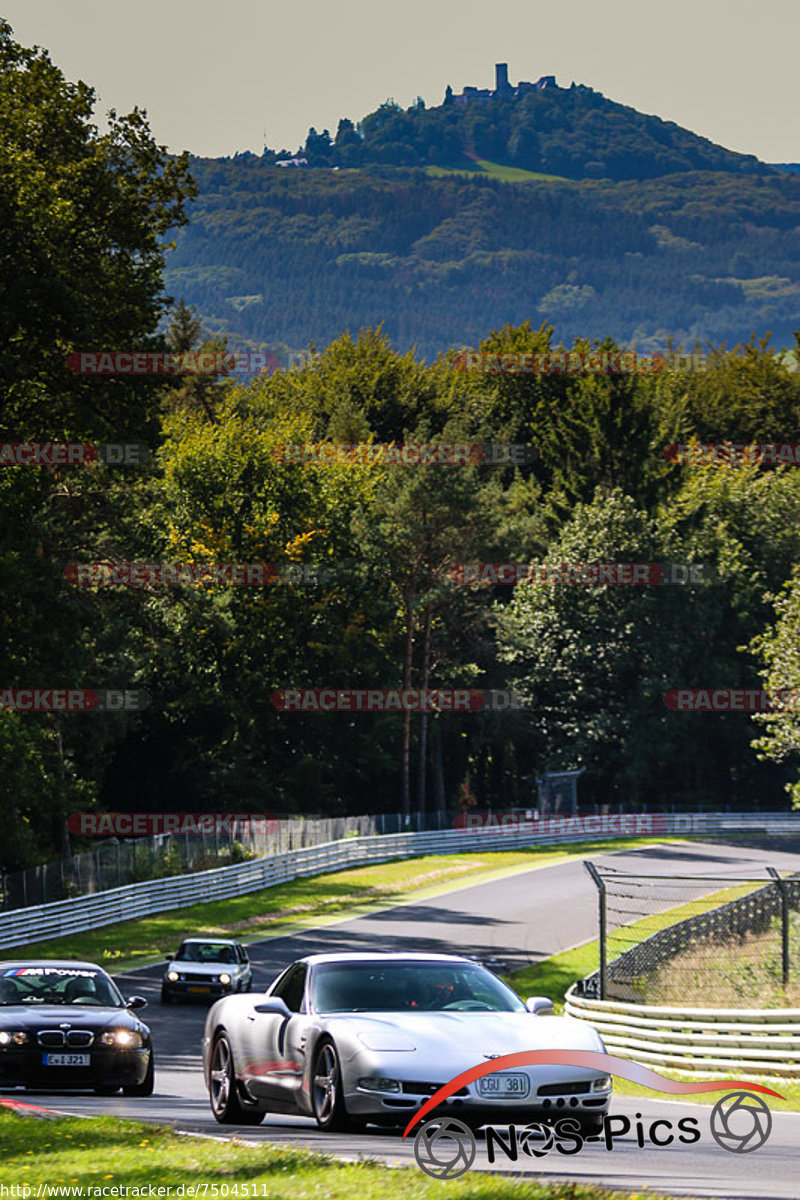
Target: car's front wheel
x: 166, y: 997
x: 225, y: 1103
x: 145, y: 1088
x: 327, y: 1092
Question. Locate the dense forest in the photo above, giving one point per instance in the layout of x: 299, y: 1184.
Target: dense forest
x: 283, y: 258
x: 83, y: 221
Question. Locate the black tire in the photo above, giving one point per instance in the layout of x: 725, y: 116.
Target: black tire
x: 166, y: 998
x: 327, y: 1093
x: 106, y: 1089
x: 145, y: 1088
x: 223, y: 1095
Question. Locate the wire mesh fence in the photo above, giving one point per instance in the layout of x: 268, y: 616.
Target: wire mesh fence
x: 116, y: 862
x: 721, y: 939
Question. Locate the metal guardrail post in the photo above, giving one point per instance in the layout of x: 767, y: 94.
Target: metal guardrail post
x: 784, y: 923
x: 601, y: 899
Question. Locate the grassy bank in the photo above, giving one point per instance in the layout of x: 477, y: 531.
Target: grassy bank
x: 303, y: 902
x: 554, y: 976
x: 105, y: 1152
x: 743, y: 972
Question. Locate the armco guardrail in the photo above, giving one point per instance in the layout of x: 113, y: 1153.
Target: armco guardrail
x: 22, y: 926
x: 696, y: 1041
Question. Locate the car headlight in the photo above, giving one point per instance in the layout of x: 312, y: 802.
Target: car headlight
x: 376, y: 1083
x: 224, y: 978
x: 18, y: 1036
x: 173, y: 976
x: 122, y: 1038
x: 602, y: 1084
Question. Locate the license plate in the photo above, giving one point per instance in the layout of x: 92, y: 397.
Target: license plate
x: 503, y: 1087
x: 200, y: 989
x: 66, y: 1060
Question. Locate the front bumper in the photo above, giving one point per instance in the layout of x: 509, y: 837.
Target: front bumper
x: 202, y: 990
x: 25, y: 1067
x: 543, y: 1103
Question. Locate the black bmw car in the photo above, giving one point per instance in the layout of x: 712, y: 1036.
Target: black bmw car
x: 66, y: 1024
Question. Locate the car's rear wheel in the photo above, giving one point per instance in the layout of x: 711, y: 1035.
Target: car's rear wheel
x: 327, y: 1092
x: 225, y: 1103
x: 145, y: 1088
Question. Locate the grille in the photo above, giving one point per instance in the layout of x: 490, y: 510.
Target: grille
x: 427, y: 1089
x: 565, y: 1089
x: 80, y: 1037
x: 50, y: 1037
x: 57, y: 1037
x: 200, y: 978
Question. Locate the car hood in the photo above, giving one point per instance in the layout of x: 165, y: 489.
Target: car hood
x: 51, y: 1016
x: 464, y: 1037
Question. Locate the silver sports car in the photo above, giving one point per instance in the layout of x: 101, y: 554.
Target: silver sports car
x: 353, y: 1039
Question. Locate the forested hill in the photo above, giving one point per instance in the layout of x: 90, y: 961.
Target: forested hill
x: 573, y: 132
x: 285, y: 256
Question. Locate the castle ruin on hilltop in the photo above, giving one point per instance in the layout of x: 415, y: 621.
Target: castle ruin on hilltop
x: 502, y: 90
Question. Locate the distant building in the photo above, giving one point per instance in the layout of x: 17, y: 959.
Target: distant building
x: 292, y: 162
x: 502, y: 90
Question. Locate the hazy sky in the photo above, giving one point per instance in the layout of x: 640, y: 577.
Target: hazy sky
x: 216, y: 75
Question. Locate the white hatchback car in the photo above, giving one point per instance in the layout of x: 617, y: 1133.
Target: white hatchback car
x: 209, y: 967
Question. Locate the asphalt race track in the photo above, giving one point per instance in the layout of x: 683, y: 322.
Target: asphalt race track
x: 506, y: 923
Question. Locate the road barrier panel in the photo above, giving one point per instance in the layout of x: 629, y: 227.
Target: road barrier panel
x: 22, y: 926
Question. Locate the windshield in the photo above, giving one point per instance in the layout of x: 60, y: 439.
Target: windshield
x: 202, y: 952
x: 58, y: 985
x: 410, y: 986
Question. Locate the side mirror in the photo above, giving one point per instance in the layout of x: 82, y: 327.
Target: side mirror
x: 540, y: 1006
x: 273, y: 1005
x: 168, y: 957
x: 136, y: 1002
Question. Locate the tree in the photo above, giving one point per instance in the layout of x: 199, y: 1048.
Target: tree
x: 778, y: 647
x: 194, y: 392
x: 82, y: 220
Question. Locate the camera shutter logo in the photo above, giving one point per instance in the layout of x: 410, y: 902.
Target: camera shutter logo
x: 536, y: 1139
x: 740, y: 1122
x: 445, y: 1149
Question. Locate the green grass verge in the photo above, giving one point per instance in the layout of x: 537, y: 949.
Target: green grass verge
x: 498, y: 171
x: 106, y: 1152
x: 518, y: 174
x: 303, y: 903
x: 554, y: 976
